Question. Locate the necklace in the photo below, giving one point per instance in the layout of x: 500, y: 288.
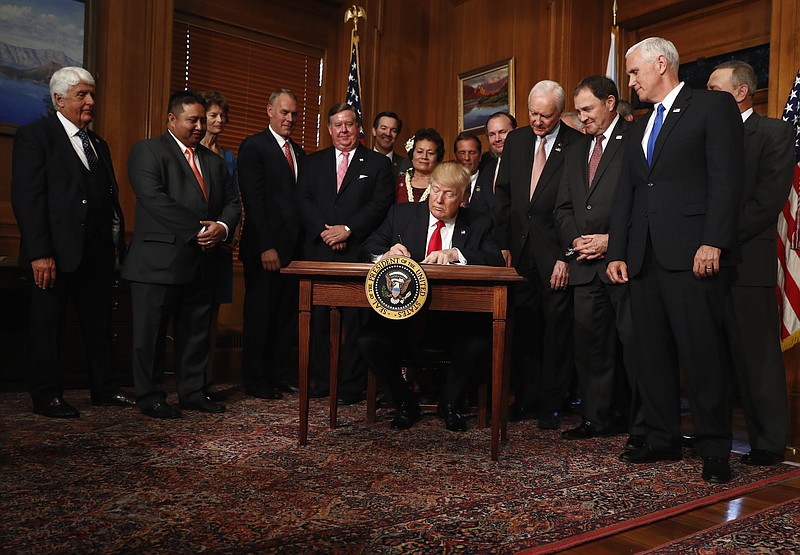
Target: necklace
x: 410, y: 189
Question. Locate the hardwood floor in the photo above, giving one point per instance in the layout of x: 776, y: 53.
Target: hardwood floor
x: 652, y: 535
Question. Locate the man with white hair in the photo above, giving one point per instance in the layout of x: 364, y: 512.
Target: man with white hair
x: 525, y: 197
x: 673, y: 238
x: 66, y: 201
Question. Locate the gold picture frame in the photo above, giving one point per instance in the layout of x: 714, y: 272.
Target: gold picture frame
x: 483, y: 91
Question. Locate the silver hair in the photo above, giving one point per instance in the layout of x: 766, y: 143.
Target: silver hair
x: 653, y: 47
x: 546, y: 87
x: 67, y: 77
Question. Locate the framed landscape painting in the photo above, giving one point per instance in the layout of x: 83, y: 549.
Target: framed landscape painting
x: 484, y: 91
x: 37, y: 37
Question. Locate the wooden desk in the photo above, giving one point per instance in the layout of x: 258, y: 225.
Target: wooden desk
x: 452, y: 288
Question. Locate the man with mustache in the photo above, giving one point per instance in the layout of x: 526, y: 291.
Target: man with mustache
x: 185, y: 208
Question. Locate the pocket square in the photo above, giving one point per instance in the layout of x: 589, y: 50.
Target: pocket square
x: 362, y: 176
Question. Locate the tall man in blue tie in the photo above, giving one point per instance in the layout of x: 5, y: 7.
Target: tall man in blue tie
x: 673, y: 235
x: 66, y: 201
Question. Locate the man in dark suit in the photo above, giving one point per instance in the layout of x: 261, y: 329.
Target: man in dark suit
x: 467, y: 150
x: 344, y: 194
x: 66, y: 201
x: 436, y: 232
x: 497, y: 127
x: 267, y: 172
x: 592, y: 168
x: 751, y: 313
x: 525, y: 197
x: 673, y: 233
x: 385, y: 130
x: 185, y: 207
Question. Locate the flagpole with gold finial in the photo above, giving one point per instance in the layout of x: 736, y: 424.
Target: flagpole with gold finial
x: 353, y: 93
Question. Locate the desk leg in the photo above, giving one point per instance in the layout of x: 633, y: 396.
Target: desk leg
x: 498, y: 383
x: 336, y: 337
x: 304, y: 333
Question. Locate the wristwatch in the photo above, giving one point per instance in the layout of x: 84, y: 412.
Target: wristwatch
x: 348, y: 230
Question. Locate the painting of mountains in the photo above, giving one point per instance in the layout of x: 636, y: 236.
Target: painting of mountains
x: 39, y: 37
x: 485, y: 91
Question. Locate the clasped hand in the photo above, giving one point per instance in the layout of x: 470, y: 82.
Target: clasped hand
x: 211, y: 235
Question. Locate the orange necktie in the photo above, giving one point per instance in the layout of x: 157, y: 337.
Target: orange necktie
x: 190, y: 157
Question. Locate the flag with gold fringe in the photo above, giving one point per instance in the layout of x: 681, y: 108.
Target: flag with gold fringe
x: 789, y: 237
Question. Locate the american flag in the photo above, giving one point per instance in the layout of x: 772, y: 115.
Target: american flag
x: 789, y: 237
x: 353, y: 97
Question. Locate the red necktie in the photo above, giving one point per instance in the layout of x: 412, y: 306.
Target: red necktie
x: 594, y: 161
x: 435, y: 244
x: 288, y: 155
x: 190, y: 156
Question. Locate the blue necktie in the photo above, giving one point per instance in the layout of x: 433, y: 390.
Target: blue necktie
x: 91, y: 157
x: 651, y: 142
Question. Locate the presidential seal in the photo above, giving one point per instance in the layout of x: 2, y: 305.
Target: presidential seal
x: 396, y: 287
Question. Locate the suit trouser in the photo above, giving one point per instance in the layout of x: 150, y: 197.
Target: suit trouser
x: 189, y: 308
x: 752, y: 324
x: 270, y: 326
x: 89, y: 288
x: 602, y: 317
x: 353, y: 369
x: 383, y: 343
x: 679, y: 317
x: 543, y: 358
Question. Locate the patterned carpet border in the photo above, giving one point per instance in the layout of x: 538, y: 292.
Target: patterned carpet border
x: 770, y: 530
x: 115, y: 481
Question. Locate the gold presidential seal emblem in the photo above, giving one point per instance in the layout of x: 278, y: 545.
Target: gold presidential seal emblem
x: 396, y: 287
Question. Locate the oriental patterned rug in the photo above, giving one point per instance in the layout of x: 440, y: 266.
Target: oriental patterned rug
x: 116, y: 481
x: 771, y: 530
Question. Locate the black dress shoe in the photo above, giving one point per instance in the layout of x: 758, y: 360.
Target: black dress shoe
x: 518, y: 412
x: 264, y: 393
x: 347, y: 399
x: 161, y: 409
x: 115, y: 400
x: 407, y: 415
x: 584, y: 431
x: 56, y: 408
x: 762, y: 457
x: 318, y: 392
x: 647, y: 454
x: 549, y: 421
x: 453, y: 419
x: 214, y: 396
x: 203, y: 405
x: 687, y: 441
x: 634, y: 442
x: 716, y: 470
x: 286, y: 387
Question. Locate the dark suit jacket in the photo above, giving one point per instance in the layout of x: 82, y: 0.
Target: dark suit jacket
x: 362, y: 202
x: 48, y: 196
x: 267, y: 185
x: 690, y: 195
x: 169, y: 208
x: 472, y: 234
x: 399, y: 164
x: 769, y: 162
x: 519, y: 219
x: 581, y: 210
x: 482, y: 198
